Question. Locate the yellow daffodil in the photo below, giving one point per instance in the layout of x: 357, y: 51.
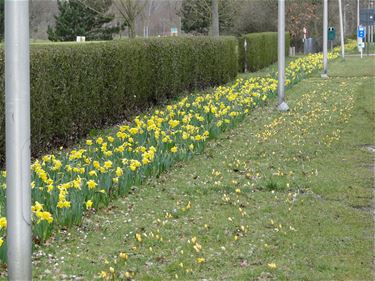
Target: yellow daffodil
x: 119, y: 172
x: 138, y: 237
x: 108, y: 164
x: 104, y: 275
x: 88, y: 204
x: 134, y: 164
x: 124, y: 256
x: 3, y: 222
x: 200, y: 260
x: 272, y: 265
x: 91, y: 184
x: 44, y: 216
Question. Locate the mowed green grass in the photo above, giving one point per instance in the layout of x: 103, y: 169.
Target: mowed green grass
x: 284, y: 196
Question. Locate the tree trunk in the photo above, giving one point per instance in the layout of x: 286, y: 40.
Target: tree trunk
x: 131, y: 30
x: 215, y: 18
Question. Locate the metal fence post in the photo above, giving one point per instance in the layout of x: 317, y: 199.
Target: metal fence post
x: 245, y: 48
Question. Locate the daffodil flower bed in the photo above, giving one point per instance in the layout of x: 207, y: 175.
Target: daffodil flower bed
x: 67, y: 185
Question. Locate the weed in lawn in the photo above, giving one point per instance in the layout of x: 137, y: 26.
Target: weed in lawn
x: 274, y: 185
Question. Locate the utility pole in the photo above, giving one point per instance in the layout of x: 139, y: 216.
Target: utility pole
x: 17, y: 104
x: 344, y: 17
x: 325, y: 40
x: 342, y: 31
x: 215, y: 18
x: 372, y: 24
x: 283, y: 106
x: 359, y: 40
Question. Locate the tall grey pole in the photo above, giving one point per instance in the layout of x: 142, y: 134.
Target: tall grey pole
x: 357, y: 14
x: 215, y: 18
x: 359, y: 40
x: 17, y: 102
x: 344, y: 17
x: 281, y: 56
x: 342, y: 35
x: 325, y: 40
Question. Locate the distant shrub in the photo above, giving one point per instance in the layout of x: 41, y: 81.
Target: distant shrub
x: 261, y: 50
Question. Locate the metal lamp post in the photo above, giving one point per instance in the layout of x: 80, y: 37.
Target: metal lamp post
x: 357, y: 13
x: 17, y: 102
x: 342, y: 31
x: 283, y: 106
x: 325, y: 40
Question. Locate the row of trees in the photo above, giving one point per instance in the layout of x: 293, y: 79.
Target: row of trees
x: 101, y: 19
x: 247, y: 16
x: 91, y: 18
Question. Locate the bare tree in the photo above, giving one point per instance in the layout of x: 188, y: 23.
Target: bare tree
x: 152, y: 7
x: 130, y: 10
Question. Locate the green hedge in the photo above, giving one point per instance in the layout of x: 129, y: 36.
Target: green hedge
x: 77, y: 87
x: 261, y: 50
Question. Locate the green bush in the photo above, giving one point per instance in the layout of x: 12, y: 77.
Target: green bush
x: 261, y: 50
x: 78, y: 87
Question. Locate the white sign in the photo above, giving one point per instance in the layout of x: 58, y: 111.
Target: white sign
x: 361, y: 44
x: 80, y: 38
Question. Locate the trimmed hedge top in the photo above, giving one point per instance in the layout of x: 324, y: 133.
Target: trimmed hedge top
x: 79, y: 87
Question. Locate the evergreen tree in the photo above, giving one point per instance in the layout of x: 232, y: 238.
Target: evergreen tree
x: 82, y: 18
x: 196, y: 15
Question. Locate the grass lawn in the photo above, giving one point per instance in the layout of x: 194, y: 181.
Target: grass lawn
x: 284, y: 196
